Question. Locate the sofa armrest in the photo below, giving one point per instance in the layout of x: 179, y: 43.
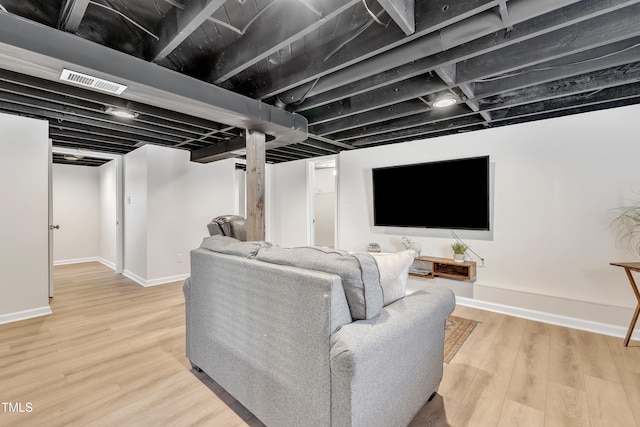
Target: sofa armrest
x: 384, y: 369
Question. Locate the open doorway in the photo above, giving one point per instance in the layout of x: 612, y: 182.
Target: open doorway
x: 85, y: 204
x: 323, y: 201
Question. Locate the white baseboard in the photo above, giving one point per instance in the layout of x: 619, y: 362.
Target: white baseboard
x: 554, y: 319
x: 75, y: 260
x: 106, y: 262
x: 25, y: 314
x: 154, y: 282
x: 101, y: 260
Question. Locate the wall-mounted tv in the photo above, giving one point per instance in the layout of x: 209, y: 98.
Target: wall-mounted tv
x: 449, y: 194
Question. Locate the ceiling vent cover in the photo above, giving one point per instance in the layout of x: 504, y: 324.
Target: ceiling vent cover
x: 93, y: 82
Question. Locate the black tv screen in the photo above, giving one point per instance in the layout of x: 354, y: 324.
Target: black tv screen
x: 449, y: 194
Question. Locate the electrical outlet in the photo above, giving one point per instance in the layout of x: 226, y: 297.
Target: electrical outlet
x: 179, y: 258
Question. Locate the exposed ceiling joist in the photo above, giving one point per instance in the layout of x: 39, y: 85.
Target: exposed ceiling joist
x: 72, y: 13
x: 176, y: 26
x: 357, y: 82
x: 615, y: 26
x: 22, y: 50
x: 529, y: 26
x: 529, y: 47
x: 612, y: 55
x: 224, y: 150
x: 379, y: 98
x: 396, y: 127
x: 257, y: 44
x: 431, y: 16
x: 587, y: 84
x: 402, y: 13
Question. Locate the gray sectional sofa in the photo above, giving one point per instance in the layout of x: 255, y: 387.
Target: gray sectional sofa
x: 314, y: 337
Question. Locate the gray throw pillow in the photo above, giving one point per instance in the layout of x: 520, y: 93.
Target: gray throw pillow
x: 359, y: 273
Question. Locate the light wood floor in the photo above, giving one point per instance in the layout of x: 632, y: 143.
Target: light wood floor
x: 112, y: 354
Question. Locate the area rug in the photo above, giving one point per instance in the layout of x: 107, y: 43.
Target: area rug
x: 456, y: 331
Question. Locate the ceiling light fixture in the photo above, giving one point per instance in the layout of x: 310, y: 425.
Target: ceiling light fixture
x: 121, y: 112
x: 445, y: 101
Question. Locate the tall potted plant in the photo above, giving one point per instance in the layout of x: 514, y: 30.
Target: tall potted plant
x: 459, y: 249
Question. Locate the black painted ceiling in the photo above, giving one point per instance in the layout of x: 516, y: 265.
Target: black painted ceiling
x: 345, y: 65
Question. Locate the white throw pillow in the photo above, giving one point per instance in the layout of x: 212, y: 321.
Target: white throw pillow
x: 394, y: 269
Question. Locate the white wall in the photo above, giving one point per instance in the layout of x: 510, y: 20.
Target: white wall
x: 76, y: 202
x: 288, y: 204
x: 557, y: 183
x: 135, y: 213
x: 168, y: 203
x: 84, y: 206
x: 24, y: 219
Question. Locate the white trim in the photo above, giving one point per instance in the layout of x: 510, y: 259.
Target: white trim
x: 165, y: 280
x: 119, y: 264
x: 106, y: 262
x: 154, y: 282
x: 50, y: 220
x: 24, y: 315
x: 554, y: 319
x: 101, y: 260
x: 128, y: 274
x: 76, y: 260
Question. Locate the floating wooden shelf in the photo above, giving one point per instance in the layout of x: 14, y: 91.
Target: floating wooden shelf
x: 448, y: 268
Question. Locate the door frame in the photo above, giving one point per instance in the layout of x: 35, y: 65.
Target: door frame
x: 119, y: 264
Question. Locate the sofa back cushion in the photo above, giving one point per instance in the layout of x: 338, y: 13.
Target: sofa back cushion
x: 230, y: 246
x: 359, y: 273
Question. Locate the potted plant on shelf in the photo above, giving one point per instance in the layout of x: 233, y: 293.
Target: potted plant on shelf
x: 459, y: 250
x: 627, y: 226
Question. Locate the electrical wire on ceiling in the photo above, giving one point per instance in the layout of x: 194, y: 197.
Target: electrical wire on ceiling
x: 224, y: 24
x: 313, y: 85
x: 257, y: 16
x: 125, y: 17
x: 554, y: 67
x: 375, y: 18
x: 356, y: 34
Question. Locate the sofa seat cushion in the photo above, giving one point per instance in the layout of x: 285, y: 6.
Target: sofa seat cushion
x: 359, y: 273
x: 394, y: 270
x: 230, y: 246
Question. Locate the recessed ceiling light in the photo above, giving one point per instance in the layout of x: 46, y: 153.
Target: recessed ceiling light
x: 445, y: 101
x: 121, y: 112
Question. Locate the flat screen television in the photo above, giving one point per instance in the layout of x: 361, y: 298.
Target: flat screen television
x: 449, y: 194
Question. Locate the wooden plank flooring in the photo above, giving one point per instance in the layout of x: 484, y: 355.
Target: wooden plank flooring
x: 112, y: 354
